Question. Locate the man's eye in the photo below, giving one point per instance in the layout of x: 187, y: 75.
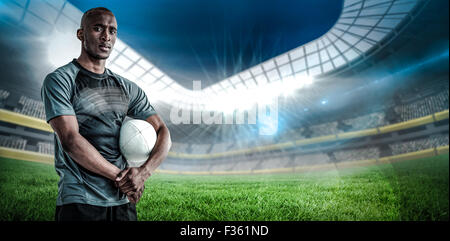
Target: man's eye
x: 97, y: 29
x: 113, y: 31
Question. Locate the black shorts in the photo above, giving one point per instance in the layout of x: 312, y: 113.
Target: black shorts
x: 86, y: 212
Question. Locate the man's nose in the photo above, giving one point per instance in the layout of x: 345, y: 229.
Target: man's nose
x: 106, y: 36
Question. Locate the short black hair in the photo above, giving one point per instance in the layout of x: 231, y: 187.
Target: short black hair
x: 91, y: 12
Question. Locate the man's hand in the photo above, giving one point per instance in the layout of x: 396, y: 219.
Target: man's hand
x: 131, y: 182
x: 136, y: 196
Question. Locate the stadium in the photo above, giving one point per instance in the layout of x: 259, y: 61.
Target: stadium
x: 352, y: 125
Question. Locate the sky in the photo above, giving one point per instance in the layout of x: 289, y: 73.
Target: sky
x: 210, y: 40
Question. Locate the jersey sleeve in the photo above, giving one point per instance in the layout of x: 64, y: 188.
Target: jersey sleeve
x: 55, y: 94
x: 139, y: 107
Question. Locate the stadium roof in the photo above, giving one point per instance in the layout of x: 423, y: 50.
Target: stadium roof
x: 363, y: 28
x: 212, y: 40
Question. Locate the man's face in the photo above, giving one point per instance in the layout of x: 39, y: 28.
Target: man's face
x: 99, y: 35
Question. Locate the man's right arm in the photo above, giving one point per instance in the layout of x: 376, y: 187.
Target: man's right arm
x: 79, y: 149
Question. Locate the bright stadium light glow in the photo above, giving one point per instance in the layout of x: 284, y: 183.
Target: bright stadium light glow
x: 62, y: 47
x: 290, y: 85
x: 275, y: 88
x: 220, y: 102
x: 324, y: 101
x: 227, y: 108
x: 305, y: 80
x: 265, y: 95
x: 246, y: 99
x: 243, y: 99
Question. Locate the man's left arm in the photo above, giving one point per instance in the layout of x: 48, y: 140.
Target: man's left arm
x: 162, y: 145
x: 133, y: 179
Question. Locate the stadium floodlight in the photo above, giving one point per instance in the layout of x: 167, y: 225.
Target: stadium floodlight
x: 292, y: 83
x: 222, y: 103
x: 261, y: 94
x: 245, y: 99
x: 305, y: 80
x: 289, y: 86
x: 231, y: 100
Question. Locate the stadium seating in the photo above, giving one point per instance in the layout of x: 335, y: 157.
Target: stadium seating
x: 244, y: 165
x: 324, y: 129
x: 46, y: 148
x: 30, y: 107
x: 357, y: 154
x: 223, y: 166
x: 14, y: 142
x: 423, y: 107
x: 276, y: 162
x: 407, y: 109
x: 220, y: 147
x: 419, y: 144
x: 179, y: 147
x: 366, y: 121
x: 4, y: 94
x: 200, y: 148
x: 311, y: 159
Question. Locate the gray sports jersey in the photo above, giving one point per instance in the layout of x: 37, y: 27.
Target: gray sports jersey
x: 100, y: 103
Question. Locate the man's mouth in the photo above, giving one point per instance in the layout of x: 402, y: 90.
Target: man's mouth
x: 104, y: 47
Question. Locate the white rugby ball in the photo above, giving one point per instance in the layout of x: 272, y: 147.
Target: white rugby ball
x: 137, y: 139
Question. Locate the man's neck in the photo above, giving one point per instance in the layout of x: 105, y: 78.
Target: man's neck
x: 94, y: 65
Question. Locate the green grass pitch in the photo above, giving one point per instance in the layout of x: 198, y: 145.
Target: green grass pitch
x: 408, y: 190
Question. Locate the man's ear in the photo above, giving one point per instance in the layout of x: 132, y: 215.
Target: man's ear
x: 80, y: 34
